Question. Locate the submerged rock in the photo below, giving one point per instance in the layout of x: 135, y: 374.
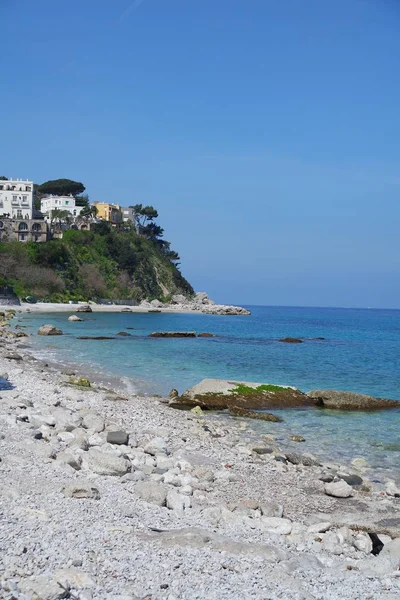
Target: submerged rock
x: 251, y: 414
x: 49, y: 330
x: 291, y: 340
x: 173, y: 334
x: 217, y: 394
x: 341, y: 400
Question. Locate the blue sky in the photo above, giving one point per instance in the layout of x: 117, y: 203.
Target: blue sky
x: 266, y: 132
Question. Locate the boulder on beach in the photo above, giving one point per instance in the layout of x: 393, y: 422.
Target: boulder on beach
x: 74, y: 318
x: 173, y: 334
x: 84, y: 308
x: 217, y: 394
x: 49, y: 330
x: 340, y: 400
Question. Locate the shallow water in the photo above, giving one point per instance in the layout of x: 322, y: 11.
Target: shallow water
x: 360, y: 352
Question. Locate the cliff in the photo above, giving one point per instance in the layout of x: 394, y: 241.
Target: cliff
x: 87, y: 265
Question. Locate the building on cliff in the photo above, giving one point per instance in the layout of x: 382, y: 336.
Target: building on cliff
x: 108, y: 212
x: 24, y: 230
x: 62, y: 203
x: 16, y: 199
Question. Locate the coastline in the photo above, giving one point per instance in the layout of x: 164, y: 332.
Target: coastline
x: 53, y: 307
x: 233, y: 485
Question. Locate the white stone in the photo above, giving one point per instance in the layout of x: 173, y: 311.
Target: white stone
x: 106, y: 463
x: 177, y: 501
x: 157, y: 445
x: 319, y: 527
x: 152, y: 492
x: 94, y: 422
x: 277, y: 525
x: 338, y: 489
x: 363, y: 542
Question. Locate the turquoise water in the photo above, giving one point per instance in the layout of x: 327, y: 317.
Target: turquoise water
x: 360, y: 352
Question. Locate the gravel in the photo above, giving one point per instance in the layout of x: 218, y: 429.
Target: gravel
x: 228, y: 522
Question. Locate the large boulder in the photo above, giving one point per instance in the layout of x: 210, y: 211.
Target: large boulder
x: 107, y: 463
x: 178, y: 299
x: 49, y: 330
x: 74, y: 318
x: 341, y: 400
x: 217, y: 394
x: 84, y: 308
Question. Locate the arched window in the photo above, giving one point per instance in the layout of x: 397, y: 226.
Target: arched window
x: 36, y: 227
x: 22, y: 227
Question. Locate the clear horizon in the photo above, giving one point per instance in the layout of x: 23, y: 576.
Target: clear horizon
x: 265, y: 133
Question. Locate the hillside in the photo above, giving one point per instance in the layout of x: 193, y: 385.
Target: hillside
x: 85, y: 265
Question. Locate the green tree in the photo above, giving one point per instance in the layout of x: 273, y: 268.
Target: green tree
x: 3, y: 178
x: 82, y: 200
x: 89, y: 212
x: 144, y: 215
x: 60, y: 216
x: 61, y: 187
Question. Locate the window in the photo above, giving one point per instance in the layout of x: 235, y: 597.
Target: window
x: 36, y: 227
x: 15, y: 198
x: 21, y: 237
x: 24, y: 198
x: 19, y: 214
x: 67, y: 202
x: 22, y: 227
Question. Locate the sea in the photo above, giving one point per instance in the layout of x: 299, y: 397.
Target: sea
x: 360, y: 352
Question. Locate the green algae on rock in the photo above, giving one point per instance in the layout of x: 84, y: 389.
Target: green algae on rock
x: 220, y: 394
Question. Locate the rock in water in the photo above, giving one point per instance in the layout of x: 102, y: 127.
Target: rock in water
x: 49, y: 330
x: 350, y: 401
x: 84, y: 308
x: 74, y: 318
x: 173, y: 334
x: 338, y: 489
x: 291, y: 340
x: 216, y: 394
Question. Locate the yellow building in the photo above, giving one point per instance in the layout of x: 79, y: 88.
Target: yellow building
x: 108, y: 212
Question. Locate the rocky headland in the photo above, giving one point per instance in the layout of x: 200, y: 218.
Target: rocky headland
x: 108, y: 496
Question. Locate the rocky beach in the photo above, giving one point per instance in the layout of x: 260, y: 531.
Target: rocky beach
x: 110, y: 496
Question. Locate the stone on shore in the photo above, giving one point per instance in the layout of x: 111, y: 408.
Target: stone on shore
x: 152, y: 492
x: 106, y: 463
x: 117, y: 437
x: 74, y: 318
x: 217, y: 394
x: 81, y: 490
x: 341, y: 400
x: 338, y: 489
x: 49, y: 330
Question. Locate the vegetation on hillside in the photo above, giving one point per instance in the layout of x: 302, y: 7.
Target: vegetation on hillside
x: 100, y: 263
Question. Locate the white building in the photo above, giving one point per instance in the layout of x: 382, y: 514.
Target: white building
x: 16, y: 198
x: 68, y: 203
